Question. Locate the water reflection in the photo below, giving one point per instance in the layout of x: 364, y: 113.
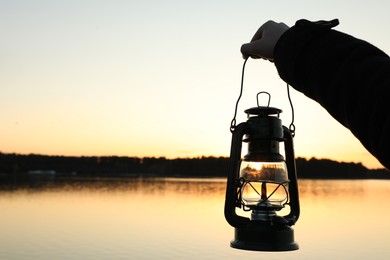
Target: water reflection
x: 193, y: 186
x: 331, y: 188
x: 200, y: 186
x: 168, y: 218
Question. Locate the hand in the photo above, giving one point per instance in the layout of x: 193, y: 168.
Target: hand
x: 263, y: 42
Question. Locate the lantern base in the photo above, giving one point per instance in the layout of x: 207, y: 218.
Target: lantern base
x: 264, y: 238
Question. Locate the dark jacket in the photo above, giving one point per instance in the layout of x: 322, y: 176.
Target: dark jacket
x: 349, y: 77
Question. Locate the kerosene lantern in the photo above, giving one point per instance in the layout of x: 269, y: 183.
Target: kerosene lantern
x: 263, y: 183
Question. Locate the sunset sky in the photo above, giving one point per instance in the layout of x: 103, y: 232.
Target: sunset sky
x: 157, y: 78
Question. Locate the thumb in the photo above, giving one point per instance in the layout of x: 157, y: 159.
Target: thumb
x: 245, y: 50
x: 256, y: 50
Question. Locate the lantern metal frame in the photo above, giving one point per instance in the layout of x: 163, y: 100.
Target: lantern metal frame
x: 262, y: 131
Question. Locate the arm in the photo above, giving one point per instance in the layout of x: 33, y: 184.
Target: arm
x: 349, y: 77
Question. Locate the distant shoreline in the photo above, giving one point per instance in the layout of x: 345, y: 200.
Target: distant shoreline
x: 23, y: 166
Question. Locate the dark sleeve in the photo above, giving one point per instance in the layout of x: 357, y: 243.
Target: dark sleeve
x: 349, y: 77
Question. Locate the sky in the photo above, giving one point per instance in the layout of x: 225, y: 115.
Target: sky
x: 158, y: 78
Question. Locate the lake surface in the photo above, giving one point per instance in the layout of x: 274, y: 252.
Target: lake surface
x: 169, y: 218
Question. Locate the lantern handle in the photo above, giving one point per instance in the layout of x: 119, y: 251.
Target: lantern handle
x: 263, y: 92
x: 234, y: 122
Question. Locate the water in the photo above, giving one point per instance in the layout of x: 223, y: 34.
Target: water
x: 183, y: 219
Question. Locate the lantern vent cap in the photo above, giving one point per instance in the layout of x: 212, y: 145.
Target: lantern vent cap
x: 263, y: 111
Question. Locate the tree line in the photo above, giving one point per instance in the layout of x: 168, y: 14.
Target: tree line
x: 121, y: 166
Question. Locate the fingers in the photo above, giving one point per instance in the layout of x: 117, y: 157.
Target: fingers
x: 259, y: 49
x: 259, y: 34
x: 252, y: 50
x: 264, y: 40
x: 249, y: 49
